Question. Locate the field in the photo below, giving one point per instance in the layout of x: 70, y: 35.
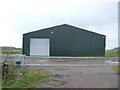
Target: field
x: 108, y: 53
x: 111, y: 53
x: 117, y: 69
x: 11, y: 52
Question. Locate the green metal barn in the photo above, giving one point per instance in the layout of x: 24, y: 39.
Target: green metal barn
x: 63, y: 40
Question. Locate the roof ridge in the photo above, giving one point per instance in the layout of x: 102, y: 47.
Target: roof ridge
x: 65, y: 25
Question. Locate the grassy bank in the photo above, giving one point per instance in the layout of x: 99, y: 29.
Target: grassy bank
x: 111, y: 53
x: 108, y: 53
x: 11, y: 52
x: 117, y: 69
x: 25, y: 81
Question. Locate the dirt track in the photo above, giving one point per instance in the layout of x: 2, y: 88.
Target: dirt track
x: 79, y: 77
x: 76, y: 77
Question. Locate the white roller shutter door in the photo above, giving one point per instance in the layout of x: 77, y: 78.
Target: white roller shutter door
x: 39, y: 46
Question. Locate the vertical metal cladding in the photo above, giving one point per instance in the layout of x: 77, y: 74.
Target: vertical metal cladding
x: 67, y: 40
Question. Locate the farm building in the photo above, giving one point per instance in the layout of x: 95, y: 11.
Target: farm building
x: 63, y: 40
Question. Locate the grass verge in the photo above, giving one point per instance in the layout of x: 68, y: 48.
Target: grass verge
x: 108, y: 53
x: 111, y: 53
x: 11, y: 52
x: 25, y: 81
x: 117, y: 69
x: 0, y: 83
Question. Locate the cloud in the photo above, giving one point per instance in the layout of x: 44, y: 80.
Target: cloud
x: 22, y: 16
x: 10, y: 39
x: 111, y: 32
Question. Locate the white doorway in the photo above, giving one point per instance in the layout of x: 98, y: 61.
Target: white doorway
x: 39, y: 46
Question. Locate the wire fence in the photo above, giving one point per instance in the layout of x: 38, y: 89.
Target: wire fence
x: 72, y: 61
x: 22, y: 61
x: 16, y: 59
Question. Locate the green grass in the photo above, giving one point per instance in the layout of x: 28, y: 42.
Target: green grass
x: 108, y: 53
x: 111, y: 53
x: 117, y: 69
x: 25, y: 81
x: 11, y: 52
x: 0, y: 83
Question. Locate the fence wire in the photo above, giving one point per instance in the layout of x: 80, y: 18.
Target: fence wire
x: 72, y: 61
x: 63, y: 61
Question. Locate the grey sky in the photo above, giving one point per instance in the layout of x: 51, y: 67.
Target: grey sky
x: 24, y: 16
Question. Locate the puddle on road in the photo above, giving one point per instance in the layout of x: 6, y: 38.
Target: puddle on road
x: 112, y: 62
x: 55, y: 83
x: 52, y: 82
x: 59, y: 76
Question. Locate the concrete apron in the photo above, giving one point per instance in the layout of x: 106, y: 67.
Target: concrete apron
x: 73, y: 65
x: 82, y: 58
x: 109, y: 61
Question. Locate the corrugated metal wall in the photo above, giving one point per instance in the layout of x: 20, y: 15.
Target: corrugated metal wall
x: 66, y: 40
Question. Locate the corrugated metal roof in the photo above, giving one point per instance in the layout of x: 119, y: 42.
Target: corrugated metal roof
x: 66, y: 25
